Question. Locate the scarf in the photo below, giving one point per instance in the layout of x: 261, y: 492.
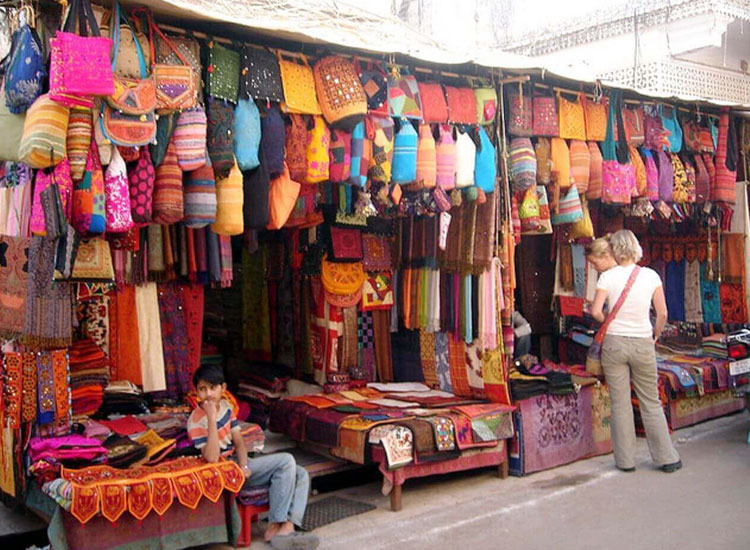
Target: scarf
x: 442, y: 361
x: 174, y: 340
x: 192, y: 260
x: 201, y: 254
x: 157, y: 269
x: 365, y: 370
x: 451, y: 256
x: 170, y: 248
x: 349, y: 345
x: 227, y: 265
x: 214, y: 259
x: 468, y: 228
x: 326, y: 328
x: 733, y: 261
x: 428, y: 359
x: 49, y: 308
x: 484, y: 236
x: 256, y: 328
x: 14, y: 285
x: 150, y: 338
x: 124, y: 342
x: 192, y: 297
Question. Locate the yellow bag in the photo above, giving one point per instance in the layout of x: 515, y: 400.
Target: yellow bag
x: 572, y: 119
x: 640, y: 171
x: 229, y: 202
x: 317, y: 152
x: 298, y: 82
x: 583, y: 228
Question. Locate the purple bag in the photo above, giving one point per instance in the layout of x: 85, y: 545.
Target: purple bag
x: 654, y: 130
x: 666, y: 175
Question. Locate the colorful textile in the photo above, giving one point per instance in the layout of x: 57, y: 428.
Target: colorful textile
x: 14, y: 276
x: 428, y: 359
x: 710, y: 297
x: 442, y: 360
x: 192, y: 298
x: 733, y: 303
x: 174, y: 340
x: 13, y: 389
x: 383, y: 353
x: 125, y: 362
x: 255, y: 306
x: 149, y: 338
x: 457, y: 359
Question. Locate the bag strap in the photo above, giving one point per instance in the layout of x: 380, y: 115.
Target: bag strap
x: 613, y: 312
x: 622, y: 151
x: 121, y: 17
x: 153, y: 28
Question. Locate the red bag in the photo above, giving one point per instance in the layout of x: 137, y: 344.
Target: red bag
x: 296, y: 146
x: 340, y: 153
x: 141, y: 178
x: 545, y: 120
x: 634, y: 130
x: 462, y: 105
x: 168, y: 202
x: 520, y: 109
x: 434, y: 106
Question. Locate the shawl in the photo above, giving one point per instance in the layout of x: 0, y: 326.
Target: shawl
x: 124, y: 341
x: 733, y: 305
x: 733, y: 260
x: 157, y: 269
x: 256, y: 327
x: 406, y: 356
x: 468, y: 228
x: 383, y: 353
x: 349, y: 347
x: 150, y: 338
x: 18, y: 178
x: 484, y: 235
x: 201, y: 254
x: 435, y: 303
x: 49, y: 307
x: 442, y: 360
x: 214, y: 260
x: 457, y: 361
x: 579, y: 269
x: 170, y: 247
x: 326, y: 328
x: 428, y: 358
x: 227, y: 266
x: 174, y: 340
x: 365, y: 370
x: 452, y: 255
x: 14, y: 285
x: 424, y: 297
x: 192, y: 297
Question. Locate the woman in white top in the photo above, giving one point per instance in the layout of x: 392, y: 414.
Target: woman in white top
x: 628, y: 351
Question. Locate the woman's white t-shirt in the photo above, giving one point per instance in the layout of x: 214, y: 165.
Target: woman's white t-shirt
x: 633, y: 318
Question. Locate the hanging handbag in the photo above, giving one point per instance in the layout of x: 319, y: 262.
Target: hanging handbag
x: 672, y: 125
x: 282, y: 198
x: 466, y: 157
x: 361, y: 154
x: 317, y: 153
x: 529, y: 212
x: 426, y: 158
x: 78, y: 140
x: 88, y: 209
x: 229, y: 204
x: 379, y: 131
x: 618, y: 173
x: 44, y: 133
x: 130, y: 41
x: 654, y: 129
x: 680, y: 182
x: 434, y: 106
x: 299, y: 87
x: 692, y: 135
x: 707, y: 141
x: 545, y: 120
x: 641, y: 178
x: 445, y: 150
x: 58, y: 176
x: 486, y: 99
x: 594, y: 192
x: 168, y: 202
x: 128, y: 117
x: 340, y: 94
x: 523, y: 164
x: 583, y: 228
x: 702, y: 180
x: 485, y: 166
x: 272, y: 140
x: 403, y: 94
x: 141, y: 178
x: 542, y: 151
x: 117, y: 195
x: 260, y: 77
x: 375, y: 85
x: 520, y: 112
x: 165, y: 126
x: 176, y: 85
x: 80, y: 64
x: 200, y: 196
x: 105, y: 146
x: 462, y: 105
x: 569, y: 208
x: 572, y: 118
x: 295, y: 148
x: 222, y: 72
x: 634, y: 126
x: 190, y: 49
x: 652, y: 176
x: 24, y: 68
x: 594, y: 354
x: 246, y: 134
x: 219, y: 136
x: 11, y: 127
x: 595, y: 115
x: 666, y: 175
x: 580, y: 165
x: 405, y: 155
x: 190, y: 138
x: 340, y: 158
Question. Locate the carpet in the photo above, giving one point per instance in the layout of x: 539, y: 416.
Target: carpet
x: 332, y: 509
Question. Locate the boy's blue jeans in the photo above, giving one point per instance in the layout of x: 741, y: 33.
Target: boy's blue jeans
x: 289, y: 486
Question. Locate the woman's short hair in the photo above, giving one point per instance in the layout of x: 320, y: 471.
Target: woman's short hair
x: 625, y: 246
x: 598, y: 247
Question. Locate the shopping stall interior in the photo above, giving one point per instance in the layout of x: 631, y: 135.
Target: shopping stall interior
x: 384, y: 255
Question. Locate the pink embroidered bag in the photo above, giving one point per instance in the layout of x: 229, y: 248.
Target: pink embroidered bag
x: 59, y: 175
x: 117, y: 193
x: 141, y: 178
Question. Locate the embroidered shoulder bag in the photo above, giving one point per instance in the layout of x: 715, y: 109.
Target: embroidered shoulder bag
x: 594, y: 355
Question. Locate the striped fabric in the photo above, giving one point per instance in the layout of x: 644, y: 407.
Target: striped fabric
x: 168, y: 202
x: 426, y: 157
x: 361, y: 150
x: 523, y: 164
x: 580, y: 165
x: 445, y: 151
x: 190, y: 139
x: 594, y: 191
x: 226, y: 423
x: 44, y: 133
x: 405, y: 155
x: 200, y: 197
x: 724, y: 188
x: 229, y: 201
x: 79, y: 134
x: 466, y: 158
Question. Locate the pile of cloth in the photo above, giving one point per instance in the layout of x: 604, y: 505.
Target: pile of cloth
x: 715, y: 345
x: 260, y: 386
x: 123, y: 397
x: 46, y: 455
x: 529, y: 377
x: 89, y: 375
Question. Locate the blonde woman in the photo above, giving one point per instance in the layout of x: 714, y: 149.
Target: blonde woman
x: 599, y: 253
x: 628, y: 351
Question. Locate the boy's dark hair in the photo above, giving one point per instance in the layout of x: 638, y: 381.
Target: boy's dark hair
x: 213, y: 374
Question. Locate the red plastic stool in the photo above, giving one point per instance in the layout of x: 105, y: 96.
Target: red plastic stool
x: 248, y: 514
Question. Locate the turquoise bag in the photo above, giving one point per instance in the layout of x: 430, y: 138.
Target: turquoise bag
x: 405, y: 154
x: 246, y: 134
x: 485, y: 167
x: 672, y: 125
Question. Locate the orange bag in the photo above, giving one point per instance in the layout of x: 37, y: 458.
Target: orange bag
x: 595, y: 115
x: 282, y: 197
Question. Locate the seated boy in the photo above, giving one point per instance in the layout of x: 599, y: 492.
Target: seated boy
x: 214, y: 429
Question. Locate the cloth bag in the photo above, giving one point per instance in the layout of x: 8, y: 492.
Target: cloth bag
x: 43, y: 143
x: 299, y: 88
x: 426, y: 158
x: 220, y: 136
x: 618, y: 173
x: 594, y: 191
x: 445, y: 150
x: 520, y: 112
x: 594, y: 354
x: 542, y: 150
x: 339, y: 91
x: 119, y: 217
x: 375, y: 85
x: 572, y: 120
x: 634, y: 126
x: 141, y: 177
x: 380, y: 132
x: 462, y: 105
x: 229, y: 204
x: 246, y: 134
x: 88, y: 209
x: 672, y: 125
x: 485, y: 166
x: 545, y: 121
x: 405, y: 155
x: 25, y: 69
x: 466, y: 157
x: 282, y: 198
x: 580, y: 165
x: 260, y: 77
x: 189, y: 138
x: 403, y: 94
x: 523, y: 164
x: 486, y: 99
x: 200, y: 196
x: 222, y: 72
x: 317, y: 152
x: 652, y: 176
x: 272, y: 139
x: 78, y: 140
x: 58, y: 176
x: 340, y: 158
x: 595, y: 115
x: 168, y: 202
x: 165, y: 126
x: 434, y: 106
x: 11, y: 127
x: 296, y: 136
x: 569, y: 208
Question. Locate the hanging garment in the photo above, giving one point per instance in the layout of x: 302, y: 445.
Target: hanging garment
x: 693, y: 308
x: 710, y: 299
x: 150, y: 338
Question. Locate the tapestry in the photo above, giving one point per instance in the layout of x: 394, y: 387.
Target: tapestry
x: 687, y: 411
x: 442, y: 360
x: 111, y: 491
x: 495, y: 376
x: 445, y: 435
x: 601, y: 416
x: 14, y: 276
x: 93, y: 319
x: 174, y: 340
x: 397, y: 442
x: 557, y: 429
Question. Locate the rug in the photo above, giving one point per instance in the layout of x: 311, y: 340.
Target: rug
x: 332, y: 509
x: 692, y: 410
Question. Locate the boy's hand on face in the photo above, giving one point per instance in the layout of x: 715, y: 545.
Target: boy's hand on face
x: 210, y: 409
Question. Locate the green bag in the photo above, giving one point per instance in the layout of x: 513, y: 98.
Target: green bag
x: 164, y: 129
x: 12, y: 130
x: 222, y: 72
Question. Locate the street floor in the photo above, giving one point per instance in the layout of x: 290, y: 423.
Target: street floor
x: 585, y: 505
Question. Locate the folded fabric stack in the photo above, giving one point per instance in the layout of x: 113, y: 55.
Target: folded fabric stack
x: 715, y: 345
x: 60, y: 491
x: 253, y: 436
x: 123, y: 452
x: 261, y: 386
x: 89, y: 375
x: 581, y: 334
x: 123, y: 397
x: 528, y: 378
x: 253, y: 496
x: 72, y: 451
